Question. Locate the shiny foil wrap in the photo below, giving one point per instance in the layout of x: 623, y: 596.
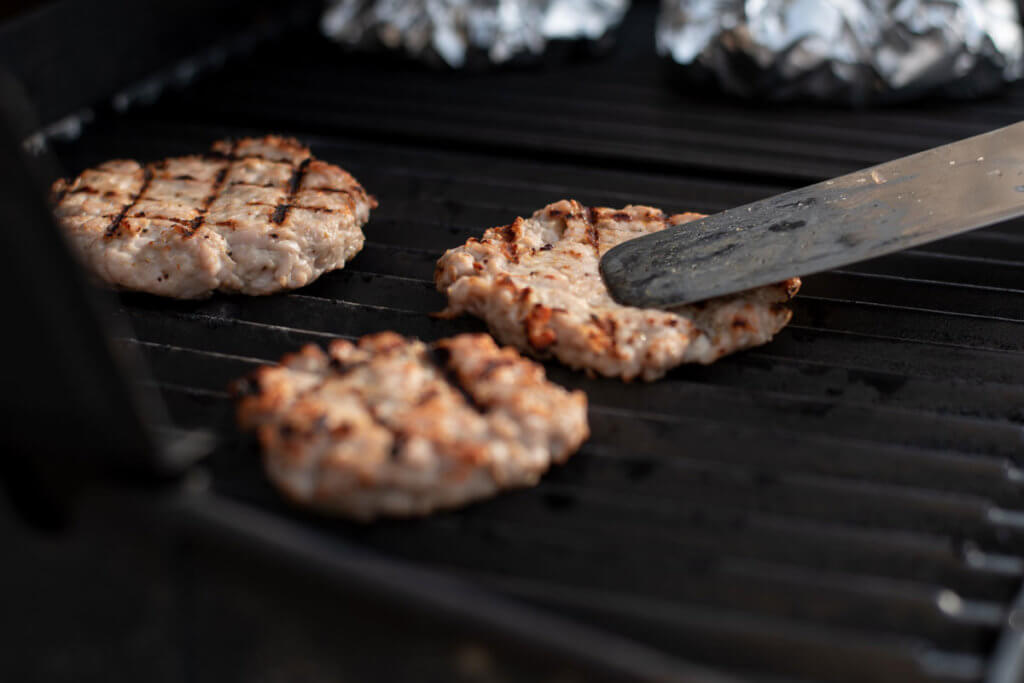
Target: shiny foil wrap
x: 460, y: 33
x: 851, y: 51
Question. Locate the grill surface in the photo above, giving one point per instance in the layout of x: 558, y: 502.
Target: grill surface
x: 842, y: 504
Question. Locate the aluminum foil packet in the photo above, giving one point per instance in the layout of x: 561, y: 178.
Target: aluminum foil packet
x: 852, y: 51
x: 461, y: 33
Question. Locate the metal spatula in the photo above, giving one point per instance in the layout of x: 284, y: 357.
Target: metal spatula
x: 917, y: 199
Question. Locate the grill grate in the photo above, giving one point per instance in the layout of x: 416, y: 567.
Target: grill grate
x: 842, y: 504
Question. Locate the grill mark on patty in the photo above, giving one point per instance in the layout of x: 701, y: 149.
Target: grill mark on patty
x: 147, y: 178
x: 322, y: 209
x: 281, y: 211
x: 590, y: 232
x: 215, y: 191
x: 493, y: 365
x: 398, y: 436
x: 439, y: 357
x: 245, y: 184
x: 614, y: 338
x: 185, y: 194
x: 158, y: 217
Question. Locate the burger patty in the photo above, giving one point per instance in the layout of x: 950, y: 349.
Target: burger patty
x: 391, y: 426
x: 537, y: 285
x: 256, y: 215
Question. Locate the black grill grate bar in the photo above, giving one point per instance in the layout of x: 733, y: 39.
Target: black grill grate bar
x: 833, y: 502
x: 866, y: 271
x: 722, y: 535
x: 495, y: 176
x: 578, y: 119
x: 976, y: 248
x: 153, y: 347
x: 416, y: 263
x: 434, y: 328
x: 644, y: 89
x: 853, y: 271
x: 846, y: 504
x: 908, y: 325
x: 674, y: 194
x: 429, y: 303
x: 438, y: 120
x: 713, y: 535
x: 992, y: 476
x: 581, y: 102
x: 852, y: 366
x: 727, y: 638
x: 761, y: 589
x: 426, y: 301
x: 916, y: 309
x: 910, y: 466
x: 844, y: 419
x: 872, y: 289
x: 1005, y: 354
x: 775, y: 408
x: 940, y: 268
x: 436, y: 544
x: 498, y: 136
x: 830, y: 498
x: 882, y: 136
x: 904, y: 465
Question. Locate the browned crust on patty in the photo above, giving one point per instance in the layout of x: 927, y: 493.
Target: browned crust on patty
x: 536, y: 282
x: 392, y: 426
x: 255, y: 215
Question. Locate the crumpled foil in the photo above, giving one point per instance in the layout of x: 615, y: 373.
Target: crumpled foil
x: 462, y: 33
x: 851, y: 51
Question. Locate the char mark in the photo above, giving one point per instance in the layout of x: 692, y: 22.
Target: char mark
x: 297, y: 175
x: 280, y: 212
x: 218, y: 185
x: 147, y: 178
x: 440, y: 358
x: 590, y: 216
x: 294, y: 183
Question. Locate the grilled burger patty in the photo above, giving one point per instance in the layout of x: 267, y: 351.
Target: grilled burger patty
x: 256, y: 215
x: 391, y: 426
x: 536, y: 283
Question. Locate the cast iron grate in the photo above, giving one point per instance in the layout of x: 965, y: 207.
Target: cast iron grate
x: 850, y: 492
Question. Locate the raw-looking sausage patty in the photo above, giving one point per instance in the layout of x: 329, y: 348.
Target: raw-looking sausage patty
x: 392, y: 426
x: 536, y: 283
x: 256, y: 215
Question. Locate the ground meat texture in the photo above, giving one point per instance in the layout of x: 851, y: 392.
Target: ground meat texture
x: 256, y: 216
x: 537, y: 285
x: 391, y: 426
